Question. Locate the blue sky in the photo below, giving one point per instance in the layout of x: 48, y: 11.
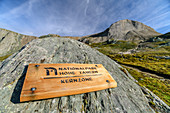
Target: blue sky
x: 80, y: 17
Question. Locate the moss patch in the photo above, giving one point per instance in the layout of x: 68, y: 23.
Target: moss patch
x: 49, y: 35
x: 4, y: 57
x: 153, y: 62
x: 119, y: 45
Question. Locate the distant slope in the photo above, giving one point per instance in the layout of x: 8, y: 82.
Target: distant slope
x: 165, y: 36
x: 11, y: 42
x: 127, y: 30
x: 158, y: 42
x: 55, y: 35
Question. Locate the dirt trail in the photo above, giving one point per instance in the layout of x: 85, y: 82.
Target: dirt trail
x: 146, y: 70
x: 147, y: 73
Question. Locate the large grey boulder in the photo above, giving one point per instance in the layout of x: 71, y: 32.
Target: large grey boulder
x: 10, y: 41
x: 126, y: 98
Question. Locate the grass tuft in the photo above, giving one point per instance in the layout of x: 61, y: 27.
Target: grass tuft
x: 4, y: 57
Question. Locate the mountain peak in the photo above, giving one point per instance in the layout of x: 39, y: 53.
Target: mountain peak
x: 135, y: 24
x: 128, y: 30
x: 120, y: 30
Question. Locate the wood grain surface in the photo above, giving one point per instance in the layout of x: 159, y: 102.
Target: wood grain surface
x: 44, y: 81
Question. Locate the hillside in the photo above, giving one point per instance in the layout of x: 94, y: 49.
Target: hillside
x: 11, y: 42
x: 148, y: 62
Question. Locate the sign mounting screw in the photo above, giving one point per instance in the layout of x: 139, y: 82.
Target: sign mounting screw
x: 37, y: 65
x: 107, y: 81
x: 33, y: 89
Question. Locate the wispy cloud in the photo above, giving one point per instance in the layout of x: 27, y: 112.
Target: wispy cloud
x: 82, y: 17
x: 85, y: 11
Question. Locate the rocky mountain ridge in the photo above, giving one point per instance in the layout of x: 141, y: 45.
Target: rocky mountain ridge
x: 127, y: 30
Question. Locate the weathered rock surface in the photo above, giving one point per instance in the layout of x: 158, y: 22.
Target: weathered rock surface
x: 127, y: 97
x: 10, y: 42
x: 127, y: 30
x: 157, y: 104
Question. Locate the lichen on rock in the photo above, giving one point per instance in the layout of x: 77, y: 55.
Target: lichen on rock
x: 127, y: 97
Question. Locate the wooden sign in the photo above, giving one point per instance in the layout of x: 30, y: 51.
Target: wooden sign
x: 55, y: 80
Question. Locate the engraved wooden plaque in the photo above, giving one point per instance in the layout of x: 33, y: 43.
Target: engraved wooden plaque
x: 55, y: 80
